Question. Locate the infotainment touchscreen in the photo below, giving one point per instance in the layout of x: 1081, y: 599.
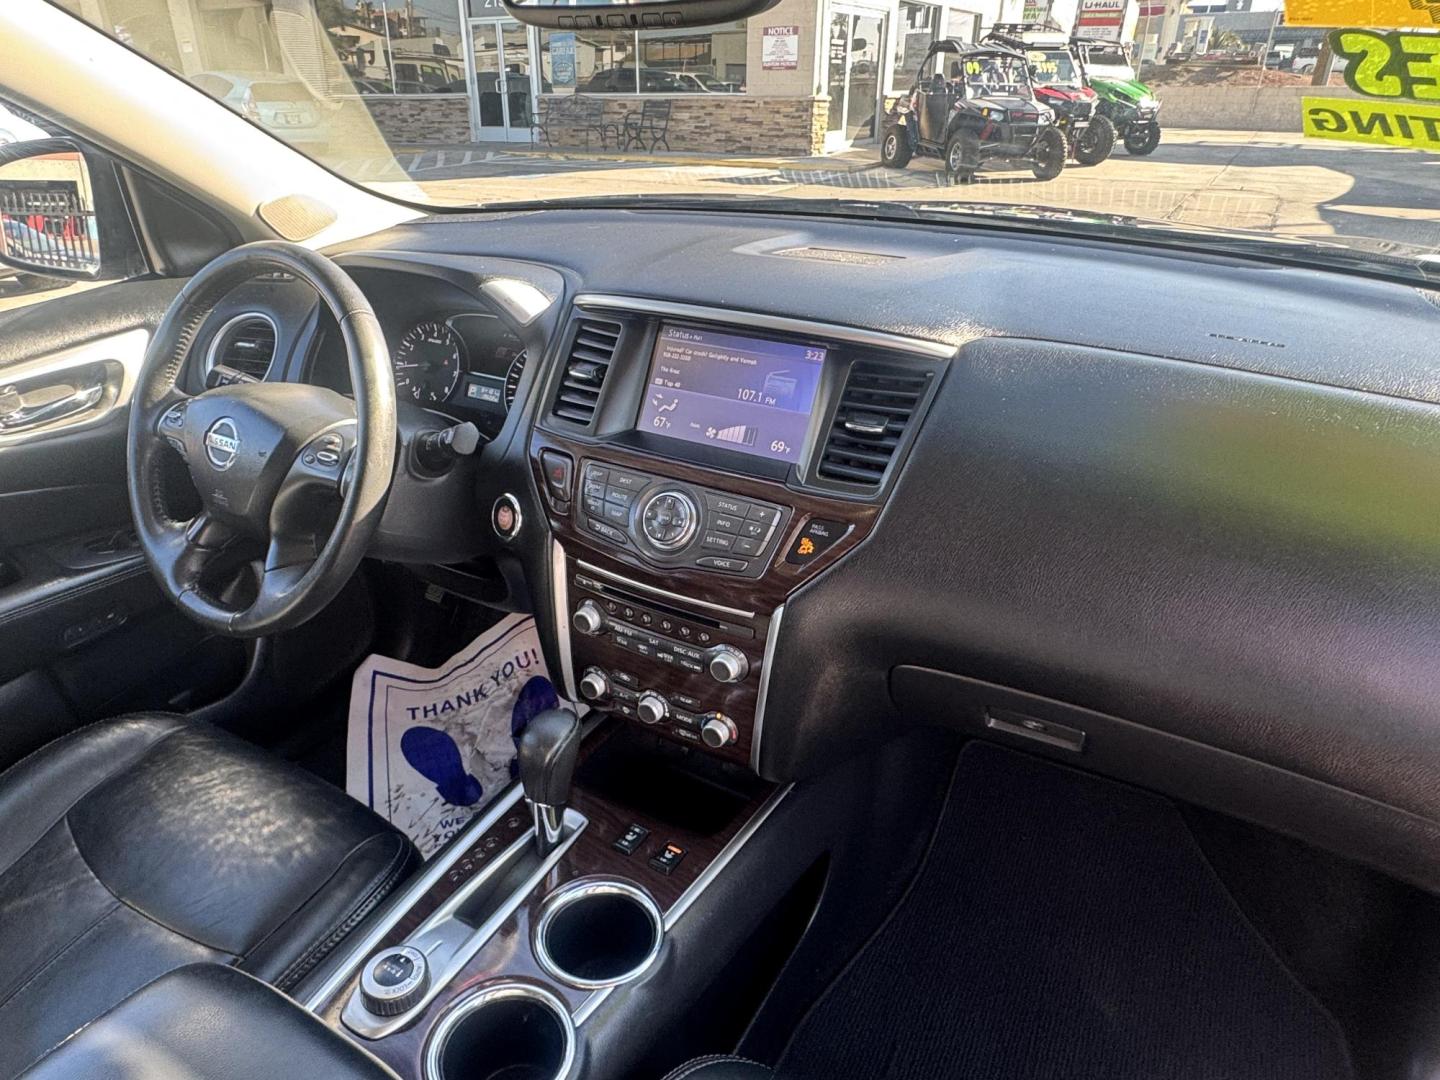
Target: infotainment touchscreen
x: 737, y: 393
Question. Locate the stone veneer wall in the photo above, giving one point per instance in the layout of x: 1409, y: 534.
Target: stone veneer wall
x: 735, y: 124
x: 416, y: 119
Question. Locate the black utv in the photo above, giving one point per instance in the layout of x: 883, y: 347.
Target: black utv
x: 971, y: 104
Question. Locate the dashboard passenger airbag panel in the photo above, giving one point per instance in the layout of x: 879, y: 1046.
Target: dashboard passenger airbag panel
x: 1245, y: 562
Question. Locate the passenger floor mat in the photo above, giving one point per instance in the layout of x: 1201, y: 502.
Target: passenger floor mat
x: 1064, y: 926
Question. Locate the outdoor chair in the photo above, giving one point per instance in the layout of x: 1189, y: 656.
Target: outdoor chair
x: 649, y: 127
x: 558, y: 115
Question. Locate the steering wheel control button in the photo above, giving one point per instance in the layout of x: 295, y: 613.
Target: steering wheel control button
x: 631, y: 839
x: 588, y: 618
x: 668, y: 519
x: 505, y: 517
x: 394, y: 981
x: 669, y: 858
x: 817, y: 537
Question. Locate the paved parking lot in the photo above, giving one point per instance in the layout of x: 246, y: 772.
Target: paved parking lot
x: 1253, y: 180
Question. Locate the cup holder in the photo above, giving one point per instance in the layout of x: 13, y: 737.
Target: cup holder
x: 511, y: 1031
x: 598, y: 932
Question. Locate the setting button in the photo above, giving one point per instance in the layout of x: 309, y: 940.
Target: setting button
x: 718, y: 542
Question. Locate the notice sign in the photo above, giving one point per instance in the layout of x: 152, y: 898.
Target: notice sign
x: 780, y: 48
x: 1420, y: 14
x: 1101, y: 18
x: 1388, y: 123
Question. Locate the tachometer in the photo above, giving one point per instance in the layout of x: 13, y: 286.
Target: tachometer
x: 512, y: 379
x: 428, y: 362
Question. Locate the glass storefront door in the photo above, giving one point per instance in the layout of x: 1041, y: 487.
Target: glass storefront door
x: 501, y: 95
x: 855, y: 47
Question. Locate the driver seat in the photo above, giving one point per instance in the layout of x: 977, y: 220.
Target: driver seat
x: 139, y: 845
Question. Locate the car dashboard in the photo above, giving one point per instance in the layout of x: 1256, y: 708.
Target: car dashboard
x: 778, y: 489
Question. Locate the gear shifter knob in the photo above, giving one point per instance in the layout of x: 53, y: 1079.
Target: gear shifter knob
x: 549, y: 748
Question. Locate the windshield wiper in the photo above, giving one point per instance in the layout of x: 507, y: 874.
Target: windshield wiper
x: 1354, y: 255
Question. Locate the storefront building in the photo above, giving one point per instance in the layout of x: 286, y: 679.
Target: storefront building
x: 806, y: 77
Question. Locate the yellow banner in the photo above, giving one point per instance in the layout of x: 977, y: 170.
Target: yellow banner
x: 1407, y: 14
x: 1389, y: 123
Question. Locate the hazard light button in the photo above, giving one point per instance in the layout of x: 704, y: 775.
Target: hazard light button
x: 817, y: 537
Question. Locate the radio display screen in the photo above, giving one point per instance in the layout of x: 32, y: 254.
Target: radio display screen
x: 736, y: 393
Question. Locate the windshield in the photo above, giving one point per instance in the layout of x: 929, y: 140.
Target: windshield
x: 1232, y: 125
x: 1054, y: 67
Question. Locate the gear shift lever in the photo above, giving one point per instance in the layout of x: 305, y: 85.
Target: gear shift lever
x: 549, y: 748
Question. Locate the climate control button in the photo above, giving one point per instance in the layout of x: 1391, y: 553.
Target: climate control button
x: 717, y: 730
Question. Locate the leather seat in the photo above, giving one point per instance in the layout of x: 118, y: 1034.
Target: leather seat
x: 140, y: 845
x: 206, y: 1022
x: 721, y: 1067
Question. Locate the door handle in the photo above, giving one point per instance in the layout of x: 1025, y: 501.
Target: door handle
x: 18, y: 415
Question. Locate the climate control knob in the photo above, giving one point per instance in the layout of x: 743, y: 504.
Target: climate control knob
x: 728, y: 664
x: 652, y: 708
x: 718, y: 730
x: 588, y: 618
x: 594, y: 685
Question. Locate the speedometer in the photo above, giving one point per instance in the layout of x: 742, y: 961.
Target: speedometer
x: 428, y: 362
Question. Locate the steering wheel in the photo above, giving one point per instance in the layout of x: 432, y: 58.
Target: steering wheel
x: 263, y: 456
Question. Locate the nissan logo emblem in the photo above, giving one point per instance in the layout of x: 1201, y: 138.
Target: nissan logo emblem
x: 222, y: 443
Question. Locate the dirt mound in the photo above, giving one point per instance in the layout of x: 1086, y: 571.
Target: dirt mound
x: 1224, y: 75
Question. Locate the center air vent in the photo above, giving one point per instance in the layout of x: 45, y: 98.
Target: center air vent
x: 245, y: 344
x: 585, y: 368
x: 871, y: 421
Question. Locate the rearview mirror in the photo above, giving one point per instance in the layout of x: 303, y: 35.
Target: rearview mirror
x: 628, y: 15
x: 48, y: 220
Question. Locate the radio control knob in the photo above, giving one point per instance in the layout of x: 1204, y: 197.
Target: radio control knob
x: 394, y: 981
x: 728, y: 664
x: 718, y: 730
x: 652, y: 708
x: 588, y: 618
x: 594, y: 685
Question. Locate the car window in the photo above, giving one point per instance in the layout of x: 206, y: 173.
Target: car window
x: 46, y: 214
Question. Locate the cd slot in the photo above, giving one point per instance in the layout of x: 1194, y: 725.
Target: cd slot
x: 634, y: 607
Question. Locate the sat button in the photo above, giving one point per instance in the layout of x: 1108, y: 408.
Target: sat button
x: 815, y: 539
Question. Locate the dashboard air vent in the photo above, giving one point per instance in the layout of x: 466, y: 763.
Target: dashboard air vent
x: 876, y: 407
x: 246, y: 345
x: 590, y: 355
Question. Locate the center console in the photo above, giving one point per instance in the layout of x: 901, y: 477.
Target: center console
x: 698, y: 466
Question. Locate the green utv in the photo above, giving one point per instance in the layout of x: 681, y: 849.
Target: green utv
x: 1126, y: 100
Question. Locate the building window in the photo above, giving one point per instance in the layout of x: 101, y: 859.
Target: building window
x: 917, y: 29
x: 709, y: 61
x: 964, y: 25
x: 398, y: 46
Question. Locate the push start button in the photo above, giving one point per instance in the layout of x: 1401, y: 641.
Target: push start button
x: 817, y: 537
x: 505, y: 517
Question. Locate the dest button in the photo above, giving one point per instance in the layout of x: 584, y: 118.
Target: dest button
x: 817, y: 537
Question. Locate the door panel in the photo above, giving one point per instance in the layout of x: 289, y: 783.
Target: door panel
x: 84, y: 631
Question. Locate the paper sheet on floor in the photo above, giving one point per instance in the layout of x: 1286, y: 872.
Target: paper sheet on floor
x: 430, y: 747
